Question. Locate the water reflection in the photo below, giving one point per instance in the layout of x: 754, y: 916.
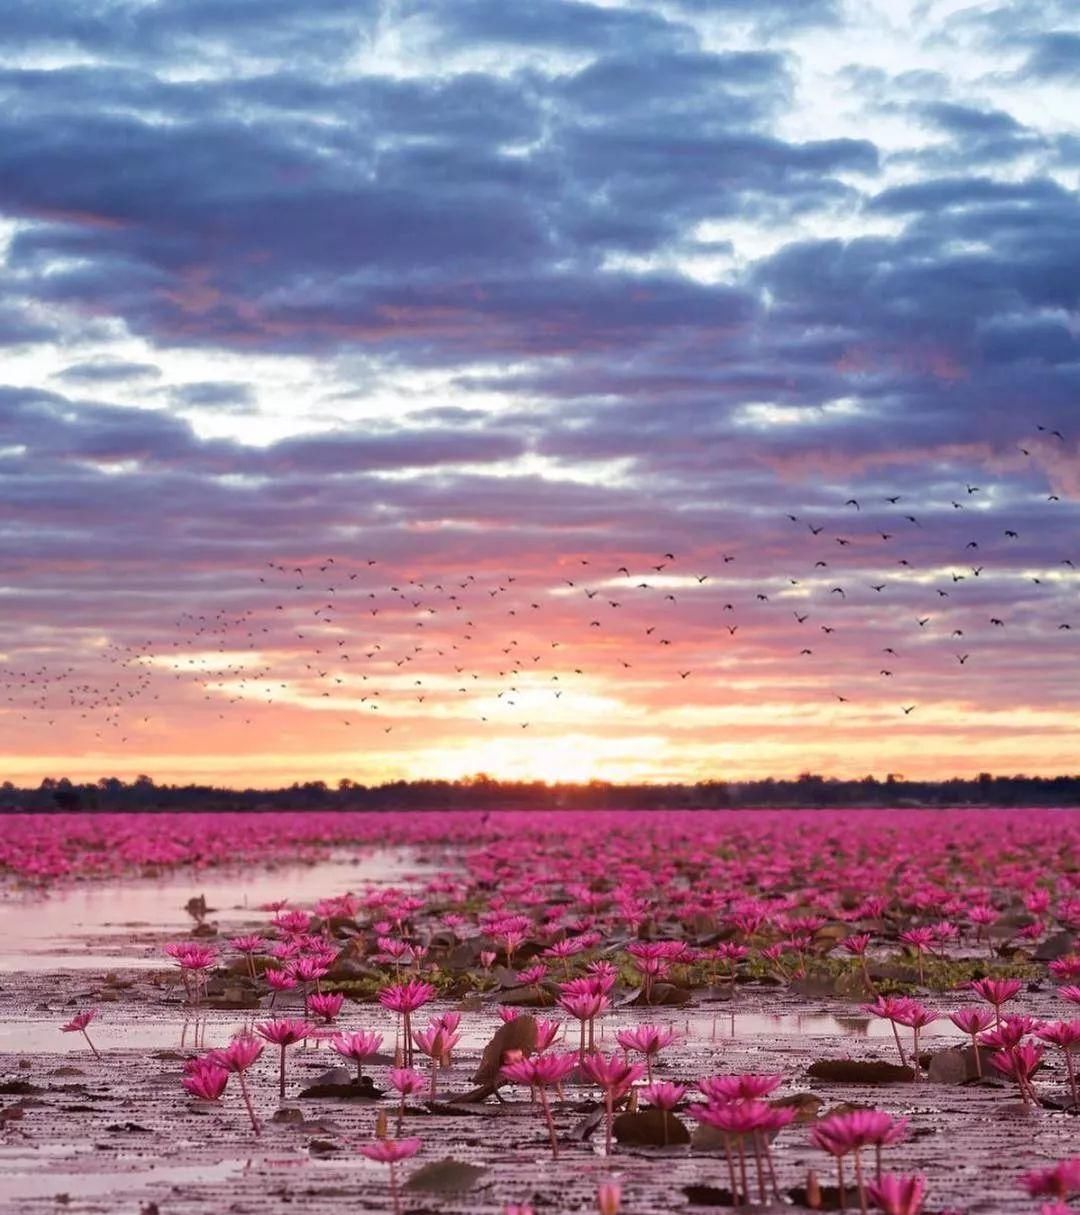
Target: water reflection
x: 732, y: 1024
x: 65, y: 930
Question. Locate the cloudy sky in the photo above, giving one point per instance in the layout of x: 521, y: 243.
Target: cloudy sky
x: 364, y: 359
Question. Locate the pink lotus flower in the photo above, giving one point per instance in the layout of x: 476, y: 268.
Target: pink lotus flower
x: 406, y: 1080
x: 325, y: 1005
x: 405, y: 999
x: 917, y: 1016
x: 738, y: 1088
x: 973, y: 1021
x: 248, y: 946
x: 1067, y: 967
x: 78, y: 1024
x: 292, y: 923
x: 616, y: 1077
x: 279, y: 980
x: 585, y: 1008
x: 996, y: 991
x: 407, y: 1083
x: 358, y: 1046
x: 206, y: 1080
x: 648, y: 1040
x: 664, y: 1094
x: 740, y: 1121
x: 436, y: 1042
x: 898, y: 1195
x: 391, y: 1152
x: 547, y: 1033
x: 542, y: 1072
x: 1009, y: 1032
x: 194, y: 960
x: 608, y: 1197
x: 241, y: 1053
x: 1061, y: 1181
x: 842, y: 1134
x: 1020, y: 1063
x: 284, y: 1033
x: 1065, y: 1034
x: 857, y: 944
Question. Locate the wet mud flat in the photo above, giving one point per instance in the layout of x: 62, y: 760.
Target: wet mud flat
x: 118, y: 1133
x: 756, y: 944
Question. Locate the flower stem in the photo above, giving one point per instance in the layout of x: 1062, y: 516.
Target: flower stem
x: 550, y: 1123
x: 859, y: 1182
x: 247, y: 1102
x: 394, y: 1190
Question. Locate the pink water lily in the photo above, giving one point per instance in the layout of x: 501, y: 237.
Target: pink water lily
x: 284, y: 1033
x: 78, y: 1024
x: 391, y: 1152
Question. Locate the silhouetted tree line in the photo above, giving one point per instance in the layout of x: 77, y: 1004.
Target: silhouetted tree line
x: 484, y: 793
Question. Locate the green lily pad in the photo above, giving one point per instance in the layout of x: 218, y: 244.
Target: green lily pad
x: 446, y: 1176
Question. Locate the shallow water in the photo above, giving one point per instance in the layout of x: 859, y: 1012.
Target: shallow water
x: 98, y: 925
x: 175, y: 1031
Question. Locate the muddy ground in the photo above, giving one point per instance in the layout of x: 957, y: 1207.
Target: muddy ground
x: 118, y: 1134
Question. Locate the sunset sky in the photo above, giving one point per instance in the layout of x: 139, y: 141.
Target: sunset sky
x: 496, y: 304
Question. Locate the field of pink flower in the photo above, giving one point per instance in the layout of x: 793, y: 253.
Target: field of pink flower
x: 862, y: 1011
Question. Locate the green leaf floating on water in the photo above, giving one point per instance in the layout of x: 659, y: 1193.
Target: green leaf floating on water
x: 446, y: 1176
x: 859, y: 1071
x: 650, y: 1128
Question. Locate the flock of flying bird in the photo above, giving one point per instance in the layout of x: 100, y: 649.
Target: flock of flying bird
x: 372, y: 645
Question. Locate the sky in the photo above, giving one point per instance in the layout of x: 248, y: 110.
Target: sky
x: 628, y: 390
